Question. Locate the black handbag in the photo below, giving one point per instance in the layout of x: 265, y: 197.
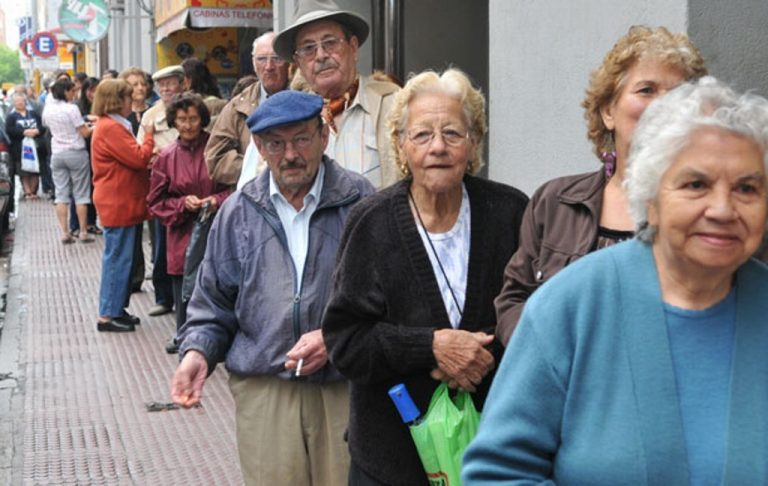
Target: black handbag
x: 198, y: 240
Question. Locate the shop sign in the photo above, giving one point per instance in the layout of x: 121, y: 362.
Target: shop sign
x: 230, y: 17
x: 84, y: 20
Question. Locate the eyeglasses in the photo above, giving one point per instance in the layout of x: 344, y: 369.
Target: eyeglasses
x: 451, y: 137
x: 265, y: 59
x: 331, y: 45
x: 299, y: 142
x: 182, y: 120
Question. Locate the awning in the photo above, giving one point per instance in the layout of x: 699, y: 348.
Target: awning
x: 206, y: 17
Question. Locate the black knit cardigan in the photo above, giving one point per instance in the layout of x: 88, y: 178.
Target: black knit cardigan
x: 386, y: 304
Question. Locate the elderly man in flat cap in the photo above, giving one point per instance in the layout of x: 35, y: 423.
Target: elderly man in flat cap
x: 260, y: 294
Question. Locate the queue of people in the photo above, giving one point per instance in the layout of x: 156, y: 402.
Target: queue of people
x: 611, y: 357
x: 609, y: 329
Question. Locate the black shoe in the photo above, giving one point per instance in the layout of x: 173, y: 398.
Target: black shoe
x: 114, y: 325
x: 172, y: 347
x: 127, y: 318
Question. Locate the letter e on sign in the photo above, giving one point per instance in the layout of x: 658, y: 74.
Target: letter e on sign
x: 44, y: 44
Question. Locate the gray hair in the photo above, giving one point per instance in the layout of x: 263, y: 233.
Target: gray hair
x: 668, y: 124
x: 259, y: 39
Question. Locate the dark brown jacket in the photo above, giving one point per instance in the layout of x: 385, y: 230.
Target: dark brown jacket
x: 559, y: 226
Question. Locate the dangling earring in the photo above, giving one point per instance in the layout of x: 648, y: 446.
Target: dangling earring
x: 609, y: 163
x: 609, y: 157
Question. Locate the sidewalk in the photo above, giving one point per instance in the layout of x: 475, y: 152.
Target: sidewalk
x: 73, y: 401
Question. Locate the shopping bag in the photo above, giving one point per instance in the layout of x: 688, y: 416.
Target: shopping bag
x: 443, y: 433
x: 198, y: 240
x: 29, y: 161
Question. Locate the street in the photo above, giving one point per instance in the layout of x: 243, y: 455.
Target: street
x: 75, y: 404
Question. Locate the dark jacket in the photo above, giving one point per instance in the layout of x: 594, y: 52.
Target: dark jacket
x: 15, y: 124
x: 560, y: 225
x: 386, y: 305
x: 247, y: 308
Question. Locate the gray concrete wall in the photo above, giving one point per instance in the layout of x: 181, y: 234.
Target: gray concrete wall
x: 541, y: 55
x: 733, y: 38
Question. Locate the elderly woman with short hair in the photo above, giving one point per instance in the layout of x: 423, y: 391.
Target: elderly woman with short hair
x: 121, y: 185
x: 419, y: 265
x: 571, y: 216
x: 23, y: 121
x: 645, y: 363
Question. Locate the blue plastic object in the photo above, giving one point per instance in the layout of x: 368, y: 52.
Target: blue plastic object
x: 404, y: 403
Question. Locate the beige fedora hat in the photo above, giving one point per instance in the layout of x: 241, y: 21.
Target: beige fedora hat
x: 308, y: 11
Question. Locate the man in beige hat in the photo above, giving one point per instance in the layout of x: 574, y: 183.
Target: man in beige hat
x: 230, y: 135
x: 169, y: 82
x: 324, y: 41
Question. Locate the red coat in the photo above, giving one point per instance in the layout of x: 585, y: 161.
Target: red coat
x: 120, y: 175
x: 179, y: 171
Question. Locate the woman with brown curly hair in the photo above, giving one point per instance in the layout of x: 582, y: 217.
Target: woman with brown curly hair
x: 574, y: 215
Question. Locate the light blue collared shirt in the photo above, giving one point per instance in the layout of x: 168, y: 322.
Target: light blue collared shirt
x: 296, y: 223
x: 121, y: 120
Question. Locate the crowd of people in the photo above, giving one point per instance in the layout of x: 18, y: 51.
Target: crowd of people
x: 326, y: 235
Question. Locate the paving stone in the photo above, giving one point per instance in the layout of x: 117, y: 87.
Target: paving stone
x: 83, y: 416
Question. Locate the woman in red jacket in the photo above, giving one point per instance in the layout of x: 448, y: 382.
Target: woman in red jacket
x: 121, y: 185
x: 180, y: 187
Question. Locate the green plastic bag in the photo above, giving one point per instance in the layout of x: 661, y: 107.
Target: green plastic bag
x: 443, y: 434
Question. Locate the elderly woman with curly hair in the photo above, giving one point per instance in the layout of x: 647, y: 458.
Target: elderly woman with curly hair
x: 644, y: 363
x: 419, y: 265
x: 571, y: 216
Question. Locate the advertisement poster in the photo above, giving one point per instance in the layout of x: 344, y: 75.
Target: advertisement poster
x: 216, y: 47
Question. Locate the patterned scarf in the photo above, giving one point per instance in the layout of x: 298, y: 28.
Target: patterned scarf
x: 334, y: 107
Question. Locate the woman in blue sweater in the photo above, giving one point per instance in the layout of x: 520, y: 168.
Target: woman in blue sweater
x: 645, y: 363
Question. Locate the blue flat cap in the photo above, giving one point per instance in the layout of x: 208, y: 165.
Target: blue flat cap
x: 284, y: 108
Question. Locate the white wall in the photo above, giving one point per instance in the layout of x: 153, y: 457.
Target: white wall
x: 733, y: 39
x: 541, y: 55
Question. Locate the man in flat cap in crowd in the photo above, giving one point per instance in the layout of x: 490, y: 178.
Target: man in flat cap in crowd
x: 260, y: 294
x: 230, y: 135
x: 324, y: 41
x: 169, y: 82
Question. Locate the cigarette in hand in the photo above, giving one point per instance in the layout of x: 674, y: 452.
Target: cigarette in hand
x: 298, y: 367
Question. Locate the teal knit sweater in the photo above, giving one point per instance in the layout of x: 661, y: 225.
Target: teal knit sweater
x: 586, y: 392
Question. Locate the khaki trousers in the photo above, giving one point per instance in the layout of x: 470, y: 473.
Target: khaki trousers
x: 291, y: 432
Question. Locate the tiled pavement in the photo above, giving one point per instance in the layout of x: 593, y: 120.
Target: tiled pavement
x: 75, y: 409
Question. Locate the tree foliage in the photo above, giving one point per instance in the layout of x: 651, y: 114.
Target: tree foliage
x: 10, y: 66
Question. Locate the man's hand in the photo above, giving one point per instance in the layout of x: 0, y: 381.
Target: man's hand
x: 462, y: 359
x: 188, y: 380
x: 310, y: 348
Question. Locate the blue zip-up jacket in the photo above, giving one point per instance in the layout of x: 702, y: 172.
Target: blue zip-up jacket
x: 246, y: 308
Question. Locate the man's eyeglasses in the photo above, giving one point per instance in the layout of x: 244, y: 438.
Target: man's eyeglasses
x: 265, y: 59
x: 451, y: 137
x: 331, y: 45
x: 299, y: 142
